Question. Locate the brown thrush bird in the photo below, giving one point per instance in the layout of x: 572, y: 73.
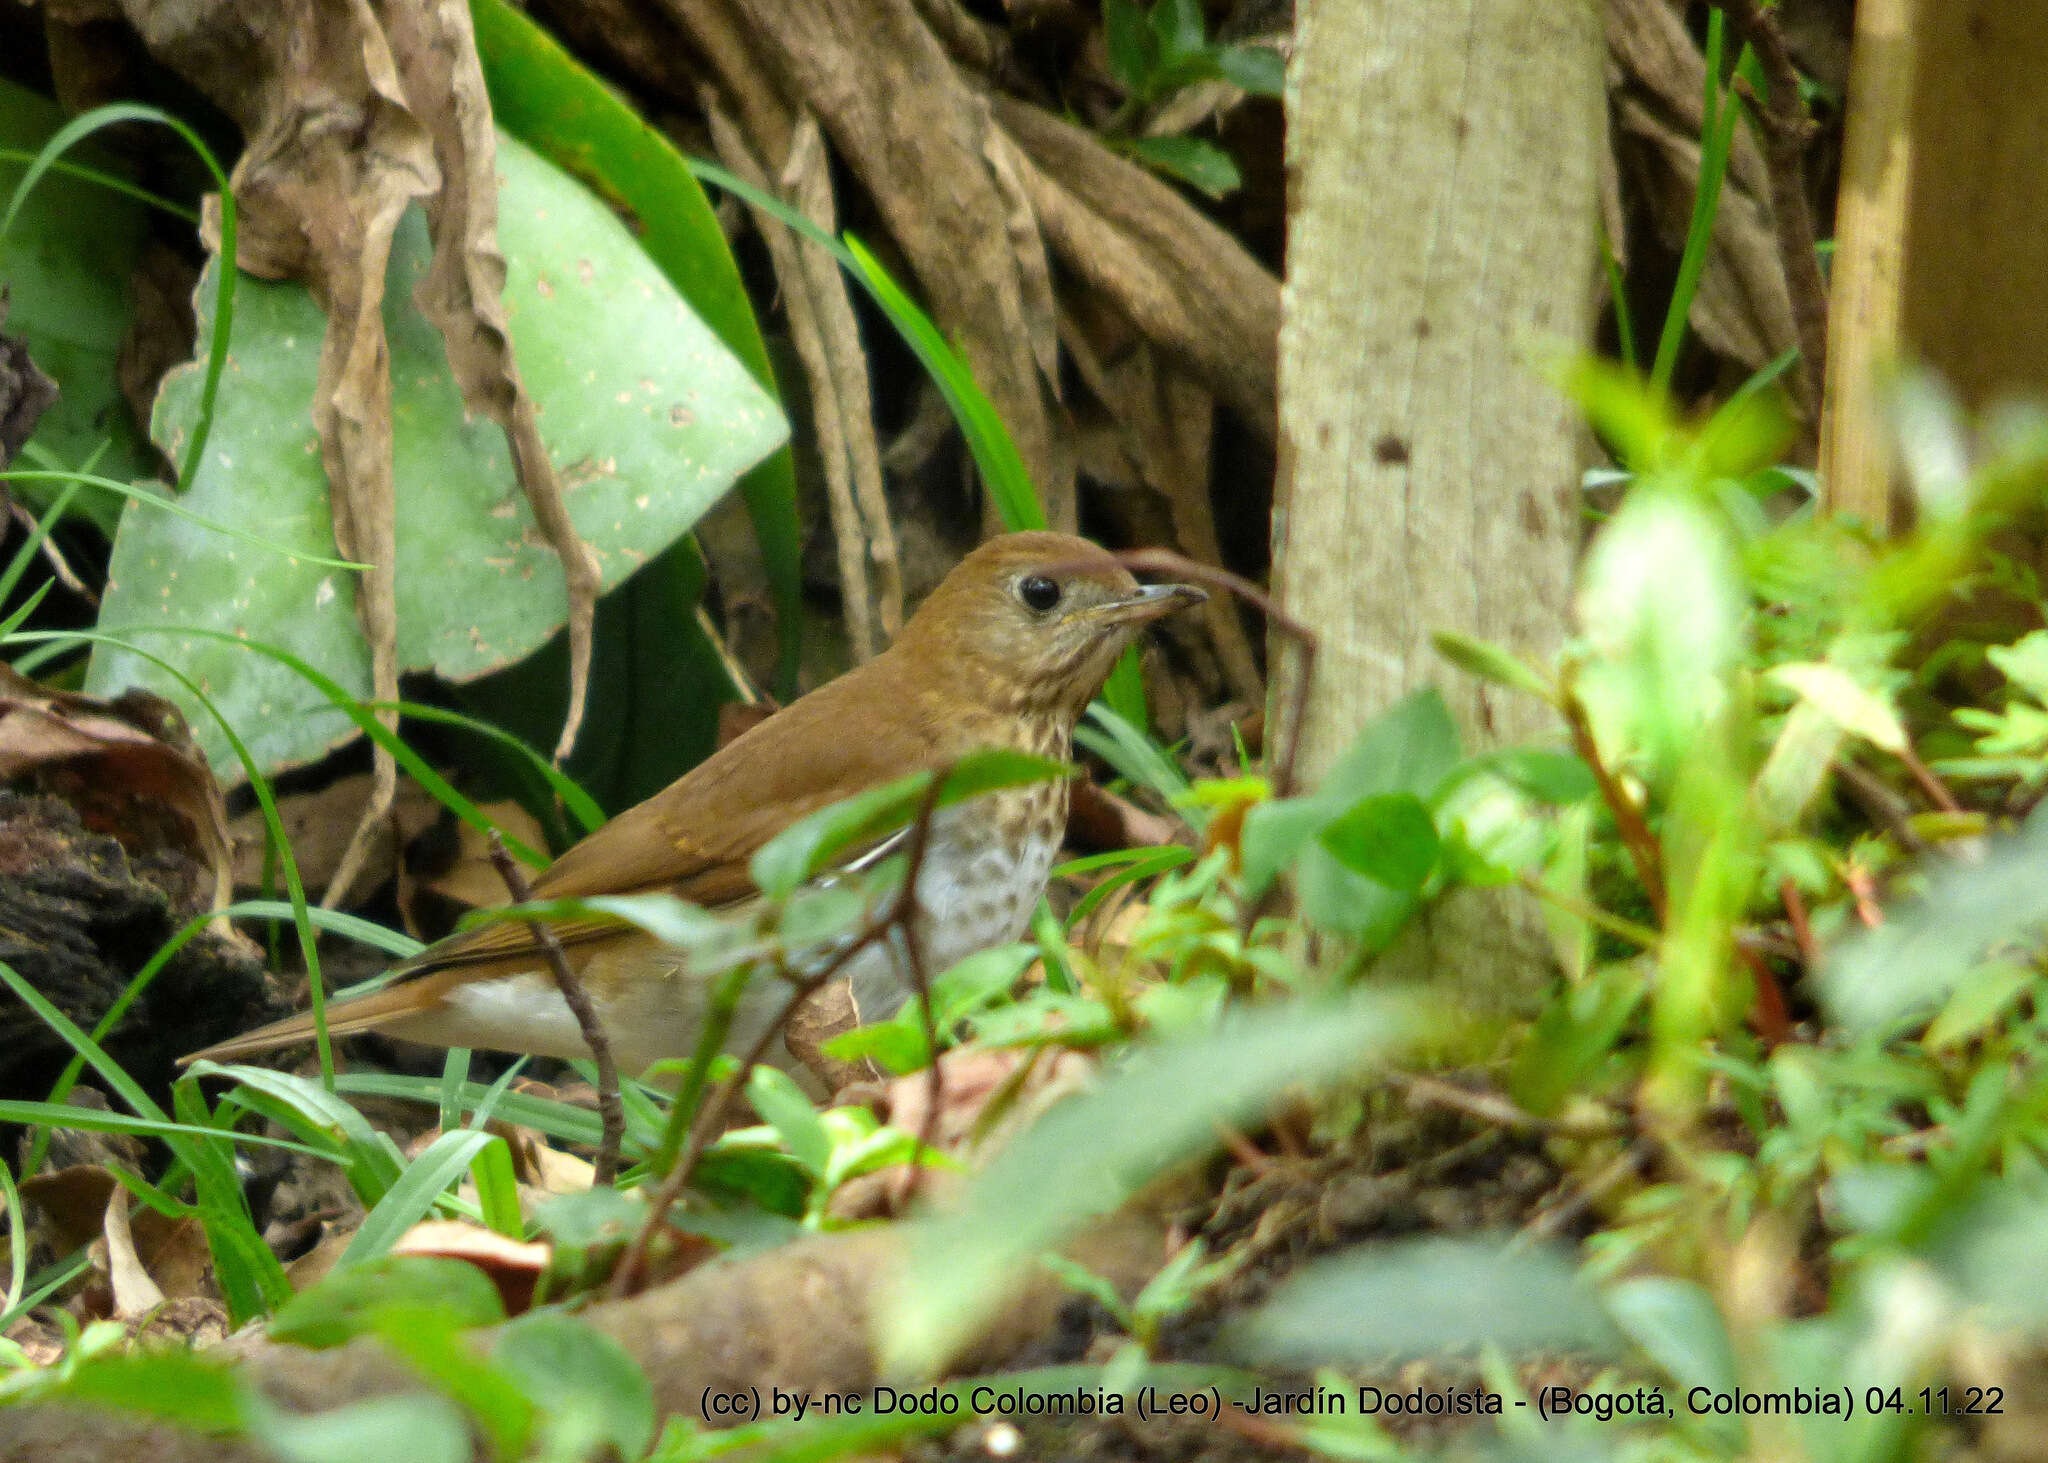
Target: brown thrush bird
x: 1006, y: 653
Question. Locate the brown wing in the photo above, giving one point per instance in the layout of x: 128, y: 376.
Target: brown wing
x: 694, y: 838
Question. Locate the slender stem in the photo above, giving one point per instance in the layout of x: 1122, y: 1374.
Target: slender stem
x: 1936, y: 790
x: 1635, y: 832
x: 1802, y: 926
x: 611, y: 1111
x: 1593, y: 915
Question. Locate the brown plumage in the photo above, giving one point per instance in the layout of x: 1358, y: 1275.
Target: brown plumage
x: 1005, y: 653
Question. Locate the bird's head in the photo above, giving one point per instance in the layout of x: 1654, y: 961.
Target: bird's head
x: 1035, y: 621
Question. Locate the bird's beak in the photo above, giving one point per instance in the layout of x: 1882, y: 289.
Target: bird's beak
x: 1151, y: 602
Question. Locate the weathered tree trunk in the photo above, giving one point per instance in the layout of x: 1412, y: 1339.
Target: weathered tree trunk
x: 1942, y: 227
x: 1442, y: 165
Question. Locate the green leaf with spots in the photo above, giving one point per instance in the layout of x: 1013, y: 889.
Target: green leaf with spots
x: 647, y: 417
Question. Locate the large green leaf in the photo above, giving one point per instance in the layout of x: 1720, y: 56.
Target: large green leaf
x: 647, y: 418
x: 67, y: 261
x: 547, y: 99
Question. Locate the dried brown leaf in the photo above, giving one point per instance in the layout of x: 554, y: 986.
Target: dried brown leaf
x: 128, y: 766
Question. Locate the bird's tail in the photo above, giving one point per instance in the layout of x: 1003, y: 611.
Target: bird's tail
x: 373, y: 1012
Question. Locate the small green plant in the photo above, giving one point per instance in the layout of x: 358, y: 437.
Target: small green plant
x: 1157, y: 52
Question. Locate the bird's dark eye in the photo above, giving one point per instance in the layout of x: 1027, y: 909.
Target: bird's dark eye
x: 1038, y: 592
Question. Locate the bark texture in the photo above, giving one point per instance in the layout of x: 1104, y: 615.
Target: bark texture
x: 1443, y: 162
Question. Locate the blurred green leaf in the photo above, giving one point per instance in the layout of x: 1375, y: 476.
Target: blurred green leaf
x: 1558, y: 778
x: 1678, y: 1326
x: 1090, y: 1152
x: 1179, y: 28
x: 1421, y: 1297
x: 1574, y: 1035
x: 359, y: 1299
x: 591, y: 1394
x: 1410, y: 748
x: 1194, y: 160
x: 420, y: 1427
x: 1388, y: 837
x: 1133, y: 48
x: 1663, y: 604
x: 1837, y: 695
x: 783, y: 1106
x: 1490, y: 662
x: 1924, y: 950
x: 175, y: 1386
x: 1260, y: 70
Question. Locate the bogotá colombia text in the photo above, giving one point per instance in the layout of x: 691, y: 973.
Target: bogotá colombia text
x: 980, y: 1400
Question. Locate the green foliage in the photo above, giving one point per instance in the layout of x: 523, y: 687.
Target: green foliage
x: 624, y: 412
x: 65, y: 253
x: 1154, y: 53
x: 548, y: 100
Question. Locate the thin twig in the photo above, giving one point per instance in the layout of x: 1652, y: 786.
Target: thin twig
x: 900, y: 910
x: 1773, y: 1019
x: 52, y: 555
x: 1625, y: 1166
x: 610, y: 1111
x: 1802, y: 926
x: 1629, y: 822
x: 1879, y: 803
x: 1166, y: 561
x: 1787, y: 130
x: 1936, y: 790
x: 1487, y: 1107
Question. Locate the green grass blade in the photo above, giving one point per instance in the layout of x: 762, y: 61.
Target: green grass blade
x: 362, y: 930
x: 425, y: 1179
x: 76, y: 131
x: 48, y: 1282
x: 995, y: 453
x: 125, y: 1087
x: 497, y: 1189
x: 94, y: 1120
x: 172, y: 506
x: 581, y: 805
x: 17, y: 1247
x: 109, y: 181
x: 319, y: 1111
x: 1717, y: 138
x: 544, y: 1115
x: 251, y: 1279
x: 26, y: 555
